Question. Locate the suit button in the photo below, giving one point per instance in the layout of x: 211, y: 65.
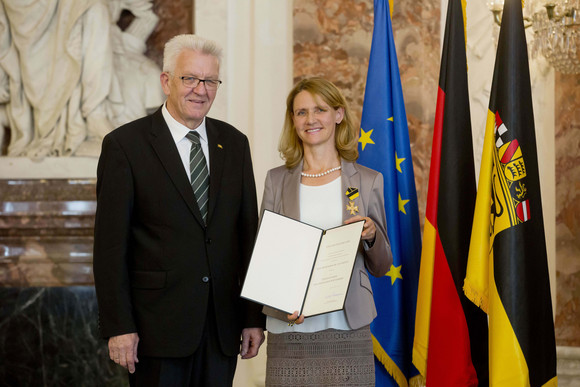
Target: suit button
x: 205, y: 279
x: 208, y: 241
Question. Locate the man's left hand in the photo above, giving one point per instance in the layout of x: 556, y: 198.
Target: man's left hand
x: 252, y: 338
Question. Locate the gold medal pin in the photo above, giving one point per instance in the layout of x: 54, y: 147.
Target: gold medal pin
x: 352, y: 208
x: 351, y: 193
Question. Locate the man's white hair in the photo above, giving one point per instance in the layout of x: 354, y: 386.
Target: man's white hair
x: 176, y: 45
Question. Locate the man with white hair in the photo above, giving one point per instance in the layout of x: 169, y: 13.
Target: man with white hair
x: 174, y: 229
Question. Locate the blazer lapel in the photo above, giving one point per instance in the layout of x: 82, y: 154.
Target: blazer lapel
x: 164, y: 146
x: 291, y: 193
x: 350, y: 179
x: 216, y: 163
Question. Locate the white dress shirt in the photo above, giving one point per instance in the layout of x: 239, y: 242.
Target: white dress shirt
x: 178, y: 132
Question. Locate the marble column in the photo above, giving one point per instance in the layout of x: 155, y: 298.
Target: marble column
x: 568, y: 210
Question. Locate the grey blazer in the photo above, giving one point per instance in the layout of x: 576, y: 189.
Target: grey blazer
x: 281, y: 195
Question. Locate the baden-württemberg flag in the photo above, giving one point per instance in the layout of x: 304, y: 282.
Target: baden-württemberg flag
x: 450, y: 332
x: 507, y: 272
x: 384, y: 146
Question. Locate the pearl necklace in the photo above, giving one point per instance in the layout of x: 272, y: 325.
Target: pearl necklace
x: 320, y: 174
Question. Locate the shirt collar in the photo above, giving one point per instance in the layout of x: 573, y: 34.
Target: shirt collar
x: 178, y: 130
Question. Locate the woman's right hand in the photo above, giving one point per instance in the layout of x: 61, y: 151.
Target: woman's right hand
x: 294, y: 319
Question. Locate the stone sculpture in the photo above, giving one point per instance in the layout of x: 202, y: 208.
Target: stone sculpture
x: 69, y: 74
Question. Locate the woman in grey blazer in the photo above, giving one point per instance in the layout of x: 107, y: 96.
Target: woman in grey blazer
x: 321, y: 184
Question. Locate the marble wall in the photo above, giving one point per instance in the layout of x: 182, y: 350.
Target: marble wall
x: 175, y: 17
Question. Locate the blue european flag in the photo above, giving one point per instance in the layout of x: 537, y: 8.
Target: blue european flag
x: 385, y: 147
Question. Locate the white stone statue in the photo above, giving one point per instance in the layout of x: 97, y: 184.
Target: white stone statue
x: 69, y: 75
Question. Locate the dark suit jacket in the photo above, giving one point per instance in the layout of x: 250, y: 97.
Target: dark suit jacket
x: 154, y: 260
x: 282, y: 195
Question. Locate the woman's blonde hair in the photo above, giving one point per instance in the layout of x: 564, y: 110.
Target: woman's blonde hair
x: 346, y: 134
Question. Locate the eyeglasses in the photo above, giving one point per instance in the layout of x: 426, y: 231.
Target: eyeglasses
x: 210, y: 84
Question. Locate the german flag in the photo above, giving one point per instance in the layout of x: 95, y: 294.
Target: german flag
x: 449, y: 330
x: 507, y: 271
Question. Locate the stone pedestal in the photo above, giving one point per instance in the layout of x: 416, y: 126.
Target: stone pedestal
x: 48, y: 308
x: 46, y: 232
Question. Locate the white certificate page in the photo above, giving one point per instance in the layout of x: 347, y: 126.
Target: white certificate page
x: 333, y: 269
x: 281, y: 263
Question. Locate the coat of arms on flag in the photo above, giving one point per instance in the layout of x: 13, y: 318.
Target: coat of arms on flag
x: 510, y: 205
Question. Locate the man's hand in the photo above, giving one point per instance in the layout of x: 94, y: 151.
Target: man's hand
x: 123, y: 350
x: 252, y: 338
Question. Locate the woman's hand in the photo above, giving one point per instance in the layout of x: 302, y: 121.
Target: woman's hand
x: 294, y: 319
x: 369, y: 228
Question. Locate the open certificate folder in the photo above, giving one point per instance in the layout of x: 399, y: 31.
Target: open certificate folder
x: 296, y: 266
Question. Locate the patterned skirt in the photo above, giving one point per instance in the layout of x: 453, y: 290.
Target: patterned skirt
x: 326, y: 358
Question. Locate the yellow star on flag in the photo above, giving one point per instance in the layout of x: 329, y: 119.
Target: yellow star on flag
x: 402, y: 205
x: 365, y: 138
x: 394, y: 273
x: 399, y: 161
x: 390, y: 119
